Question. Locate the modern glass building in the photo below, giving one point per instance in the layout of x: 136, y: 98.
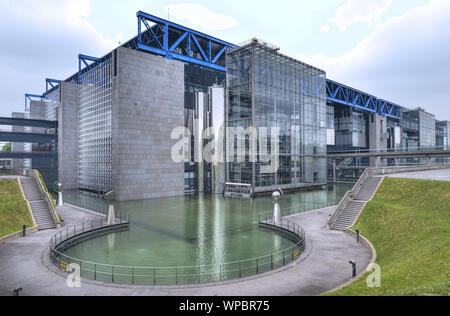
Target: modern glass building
x: 443, y: 135
x: 266, y: 90
x: 419, y: 129
x: 116, y: 115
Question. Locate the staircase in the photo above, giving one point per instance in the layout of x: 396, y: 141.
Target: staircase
x: 348, y: 216
x: 38, y: 205
x: 367, y: 190
x: 353, y: 203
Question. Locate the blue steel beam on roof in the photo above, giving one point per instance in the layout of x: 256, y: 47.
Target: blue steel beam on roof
x: 342, y: 94
x: 52, y: 83
x: 389, y: 109
x: 156, y: 40
x: 84, y: 59
x: 29, y: 97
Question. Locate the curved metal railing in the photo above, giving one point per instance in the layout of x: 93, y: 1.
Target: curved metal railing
x: 168, y: 275
x: 295, y: 230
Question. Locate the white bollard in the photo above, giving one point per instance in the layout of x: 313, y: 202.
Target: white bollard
x: 59, y: 188
x: 60, y: 199
x: 276, y: 208
x: 111, y: 220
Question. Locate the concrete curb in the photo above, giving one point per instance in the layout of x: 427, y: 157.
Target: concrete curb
x: 372, y: 249
x: 17, y: 235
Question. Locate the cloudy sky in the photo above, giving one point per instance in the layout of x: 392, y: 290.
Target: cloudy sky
x: 398, y: 50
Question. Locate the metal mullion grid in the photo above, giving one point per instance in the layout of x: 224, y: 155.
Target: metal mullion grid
x: 95, y: 128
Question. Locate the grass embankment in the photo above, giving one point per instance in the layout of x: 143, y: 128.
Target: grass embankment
x: 13, y: 208
x: 408, y: 222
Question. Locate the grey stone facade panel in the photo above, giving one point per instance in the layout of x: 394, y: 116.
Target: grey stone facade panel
x: 68, y: 136
x: 148, y: 103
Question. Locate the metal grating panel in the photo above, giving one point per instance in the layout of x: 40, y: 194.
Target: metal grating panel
x: 95, y: 120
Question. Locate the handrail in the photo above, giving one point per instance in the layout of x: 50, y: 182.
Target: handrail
x: 348, y: 195
x: 295, y: 210
x: 170, y: 275
x: 286, y: 225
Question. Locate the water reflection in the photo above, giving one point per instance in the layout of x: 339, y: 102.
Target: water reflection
x: 193, y: 231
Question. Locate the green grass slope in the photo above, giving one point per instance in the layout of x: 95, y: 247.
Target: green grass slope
x: 13, y: 208
x: 408, y: 222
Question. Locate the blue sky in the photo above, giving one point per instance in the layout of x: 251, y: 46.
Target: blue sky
x: 396, y: 49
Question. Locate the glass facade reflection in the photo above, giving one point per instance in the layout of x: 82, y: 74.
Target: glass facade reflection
x: 197, y: 80
x: 443, y: 135
x: 351, y: 128
x: 419, y: 129
x: 266, y: 90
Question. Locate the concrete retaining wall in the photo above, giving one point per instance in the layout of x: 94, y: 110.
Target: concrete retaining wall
x: 393, y: 170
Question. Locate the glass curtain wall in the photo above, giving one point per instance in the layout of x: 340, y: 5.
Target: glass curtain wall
x: 197, y: 81
x: 95, y: 120
x: 447, y: 136
x: 427, y: 129
x: 52, y: 105
x: 440, y: 126
x: 266, y: 90
x: 410, y: 125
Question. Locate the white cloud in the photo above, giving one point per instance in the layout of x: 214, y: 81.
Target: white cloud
x: 42, y: 39
x: 405, y: 60
x: 199, y: 15
x: 325, y: 28
x: 354, y: 11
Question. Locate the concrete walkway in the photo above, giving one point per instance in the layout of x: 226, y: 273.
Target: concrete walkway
x: 439, y: 175
x: 24, y: 263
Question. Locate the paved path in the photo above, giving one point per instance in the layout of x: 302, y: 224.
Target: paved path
x: 325, y: 265
x: 440, y: 175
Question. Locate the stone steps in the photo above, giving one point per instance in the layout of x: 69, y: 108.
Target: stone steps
x: 38, y: 206
x: 355, y: 205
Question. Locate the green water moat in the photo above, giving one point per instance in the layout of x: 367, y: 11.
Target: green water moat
x: 193, y: 230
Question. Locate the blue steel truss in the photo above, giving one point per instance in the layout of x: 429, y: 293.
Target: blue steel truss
x: 342, y: 94
x: 389, y: 109
x: 29, y: 97
x: 84, y: 60
x: 174, y: 41
x: 52, y: 83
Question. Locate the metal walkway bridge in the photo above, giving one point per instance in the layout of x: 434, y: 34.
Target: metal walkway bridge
x: 32, y: 138
x: 43, y: 133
